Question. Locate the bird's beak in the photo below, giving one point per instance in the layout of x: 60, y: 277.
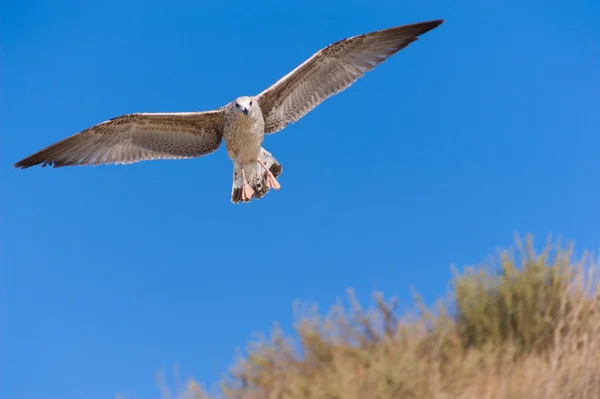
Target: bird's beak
x: 245, y: 111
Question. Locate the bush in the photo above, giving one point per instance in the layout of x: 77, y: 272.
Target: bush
x: 523, y: 304
x: 525, y: 329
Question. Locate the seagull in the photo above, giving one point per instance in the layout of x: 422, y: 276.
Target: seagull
x: 242, y: 123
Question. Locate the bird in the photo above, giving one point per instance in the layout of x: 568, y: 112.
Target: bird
x: 242, y: 123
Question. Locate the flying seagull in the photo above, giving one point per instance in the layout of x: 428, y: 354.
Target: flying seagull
x: 242, y: 123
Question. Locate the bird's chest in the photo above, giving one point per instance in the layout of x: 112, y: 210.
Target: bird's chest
x: 243, y: 138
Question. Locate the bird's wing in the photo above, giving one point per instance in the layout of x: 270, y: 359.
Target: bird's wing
x: 331, y: 70
x: 136, y: 137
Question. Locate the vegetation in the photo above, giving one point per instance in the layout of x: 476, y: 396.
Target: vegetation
x: 520, y: 326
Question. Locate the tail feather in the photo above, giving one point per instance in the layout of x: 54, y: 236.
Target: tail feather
x: 256, y: 176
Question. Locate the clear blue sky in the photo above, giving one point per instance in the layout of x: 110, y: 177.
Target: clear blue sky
x: 488, y: 125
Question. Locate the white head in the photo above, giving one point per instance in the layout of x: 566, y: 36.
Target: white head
x: 243, y: 104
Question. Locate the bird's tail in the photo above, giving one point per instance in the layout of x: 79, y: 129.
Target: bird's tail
x: 257, y: 178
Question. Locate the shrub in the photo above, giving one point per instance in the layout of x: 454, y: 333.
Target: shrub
x: 522, y: 302
x: 525, y: 329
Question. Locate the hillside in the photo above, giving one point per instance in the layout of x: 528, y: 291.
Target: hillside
x: 523, y: 325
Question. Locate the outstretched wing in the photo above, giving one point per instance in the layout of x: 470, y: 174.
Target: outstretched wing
x: 331, y: 70
x: 136, y: 137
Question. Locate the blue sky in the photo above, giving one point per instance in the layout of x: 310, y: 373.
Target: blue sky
x: 487, y: 126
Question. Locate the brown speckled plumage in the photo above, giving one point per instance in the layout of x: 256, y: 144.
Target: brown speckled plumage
x: 332, y: 70
x: 242, y: 124
x: 135, y: 137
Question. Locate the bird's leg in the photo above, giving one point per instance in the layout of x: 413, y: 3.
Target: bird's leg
x: 247, y: 191
x: 271, y: 180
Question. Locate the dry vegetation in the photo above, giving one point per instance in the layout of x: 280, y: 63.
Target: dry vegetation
x: 524, y: 326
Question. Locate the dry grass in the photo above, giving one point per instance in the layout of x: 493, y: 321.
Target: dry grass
x: 526, y: 328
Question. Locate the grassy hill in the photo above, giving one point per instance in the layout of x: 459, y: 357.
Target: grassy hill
x: 526, y: 324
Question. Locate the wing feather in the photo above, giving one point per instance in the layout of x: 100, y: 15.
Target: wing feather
x: 332, y: 70
x: 136, y: 137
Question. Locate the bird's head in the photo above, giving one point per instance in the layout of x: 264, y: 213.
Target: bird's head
x: 243, y: 104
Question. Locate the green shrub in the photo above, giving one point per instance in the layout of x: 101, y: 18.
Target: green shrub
x: 522, y: 302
